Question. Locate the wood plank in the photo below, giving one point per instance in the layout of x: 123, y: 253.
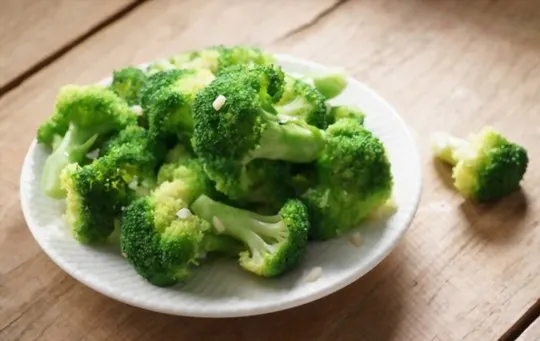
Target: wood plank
x: 463, y: 272
x: 32, y: 30
x: 532, y: 333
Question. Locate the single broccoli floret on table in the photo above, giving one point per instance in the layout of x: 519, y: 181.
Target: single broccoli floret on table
x: 83, y: 114
x: 330, y: 83
x: 300, y: 100
x: 345, y: 111
x: 486, y: 166
x: 127, y: 84
x: 276, y: 243
x: 235, y: 123
x: 97, y: 192
x: 163, y: 240
x: 167, y: 100
x: 352, y: 178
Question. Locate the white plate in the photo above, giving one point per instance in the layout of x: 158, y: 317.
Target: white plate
x: 222, y: 289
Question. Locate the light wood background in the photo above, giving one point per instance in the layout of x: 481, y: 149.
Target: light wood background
x: 462, y: 272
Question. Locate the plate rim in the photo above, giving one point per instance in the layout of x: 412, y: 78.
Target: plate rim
x: 303, y: 299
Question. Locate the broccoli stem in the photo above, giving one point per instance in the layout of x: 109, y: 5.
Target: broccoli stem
x: 224, y: 245
x: 448, y: 148
x: 330, y: 84
x: 293, y: 142
x: 246, y: 226
x: 73, y: 147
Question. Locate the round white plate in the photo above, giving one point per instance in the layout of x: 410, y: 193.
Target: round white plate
x: 223, y: 289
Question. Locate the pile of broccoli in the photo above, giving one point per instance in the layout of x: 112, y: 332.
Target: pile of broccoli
x: 220, y: 153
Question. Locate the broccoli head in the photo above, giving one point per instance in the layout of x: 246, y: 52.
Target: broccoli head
x: 330, y: 83
x: 127, y: 84
x: 244, y: 126
x: 301, y: 100
x: 352, y: 178
x: 217, y: 58
x: 486, y: 166
x: 97, y: 192
x: 345, y: 111
x: 167, y: 99
x: 82, y: 115
x: 163, y: 240
x: 275, y: 243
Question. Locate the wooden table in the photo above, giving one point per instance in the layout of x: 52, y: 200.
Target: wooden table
x: 462, y: 272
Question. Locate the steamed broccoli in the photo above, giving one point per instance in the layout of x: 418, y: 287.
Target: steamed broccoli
x: 82, y: 115
x: 217, y: 58
x: 301, y: 100
x: 127, y: 84
x: 97, y: 192
x: 352, y: 177
x: 244, y: 127
x: 487, y: 166
x: 276, y: 243
x: 163, y: 240
x: 167, y: 99
x: 345, y: 111
x: 330, y: 83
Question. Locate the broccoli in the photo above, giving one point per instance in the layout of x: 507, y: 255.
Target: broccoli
x: 276, y: 243
x: 301, y: 100
x: 167, y: 100
x: 97, y: 192
x: 162, y: 239
x: 82, y: 115
x: 352, y: 177
x: 338, y: 112
x: 127, y: 84
x: 220, y: 57
x: 486, y: 166
x: 331, y: 83
x: 243, y: 128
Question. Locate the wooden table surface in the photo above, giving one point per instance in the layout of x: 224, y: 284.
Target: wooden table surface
x: 462, y: 272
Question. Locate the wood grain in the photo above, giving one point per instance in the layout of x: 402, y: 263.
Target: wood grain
x: 463, y: 272
x: 32, y: 30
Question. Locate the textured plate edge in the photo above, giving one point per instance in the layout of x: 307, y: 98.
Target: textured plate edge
x: 269, y: 308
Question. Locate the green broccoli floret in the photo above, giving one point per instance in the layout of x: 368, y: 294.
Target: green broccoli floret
x: 163, y: 240
x: 330, y: 83
x: 242, y: 127
x: 127, y: 84
x: 217, y: 58
x: 167, y: 100
x: 486, y: 166
x: 352, y: 178
x: 276, y: 243
x: 345, y: 111
x: 82, y: 115
x: 301, y: 100
x: 97, y: 192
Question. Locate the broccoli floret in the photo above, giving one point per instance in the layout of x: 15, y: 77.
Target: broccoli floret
x: 331, y: 83
x: 127, y: 84
x: 181, y: 164
x: 301, y: 100
x: 352, y: 178
x: 217, y: 58
x: 276, y: 243
x: 97, y: 192
x: 167, y: 100
x: 244, y: 127
x: 344, y: 111
x: 486, y: 166
x: 163, y: 240
x: 82, y: 115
